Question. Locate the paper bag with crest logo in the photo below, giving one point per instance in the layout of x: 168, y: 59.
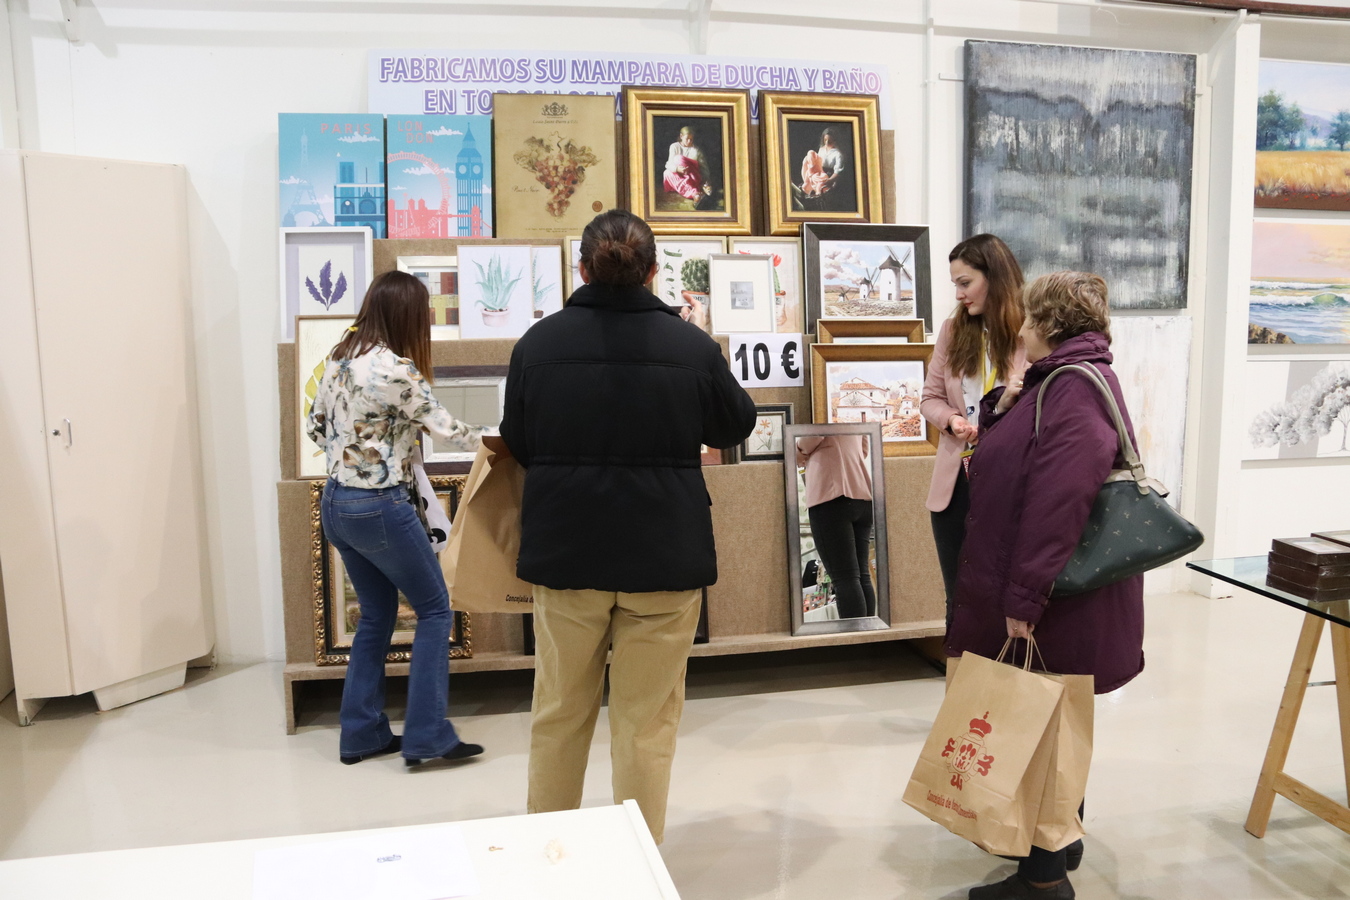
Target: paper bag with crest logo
x: 479, y: 561
x: 1066, y: 780
x: 982, y: 771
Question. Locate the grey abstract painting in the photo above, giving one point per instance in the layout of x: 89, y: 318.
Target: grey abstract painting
x: 1080, y: 158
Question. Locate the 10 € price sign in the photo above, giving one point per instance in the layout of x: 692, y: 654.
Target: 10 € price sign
x: 768, y: 360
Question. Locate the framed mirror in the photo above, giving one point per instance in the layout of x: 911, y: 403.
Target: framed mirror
x: 472, y: 394
x: 836, y: 523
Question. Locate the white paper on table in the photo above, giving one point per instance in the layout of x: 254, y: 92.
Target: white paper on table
x: 421, y: 864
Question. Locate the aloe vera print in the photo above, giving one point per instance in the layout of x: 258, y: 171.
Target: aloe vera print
x: 327, y: 292
x: 496, y: 282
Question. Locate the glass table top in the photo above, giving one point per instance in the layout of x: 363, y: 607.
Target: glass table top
x: 1250, y: 572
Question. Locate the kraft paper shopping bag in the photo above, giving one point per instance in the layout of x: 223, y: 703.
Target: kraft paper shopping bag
x: 479, y: 561
x: 982, y: 771
x: 1058, y: 824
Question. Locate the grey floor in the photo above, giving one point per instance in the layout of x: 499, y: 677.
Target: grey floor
x: 787, y: 782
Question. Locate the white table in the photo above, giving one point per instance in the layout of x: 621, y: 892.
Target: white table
x: 606, y: 852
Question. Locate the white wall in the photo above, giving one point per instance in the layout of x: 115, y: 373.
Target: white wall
x: 200, y: 82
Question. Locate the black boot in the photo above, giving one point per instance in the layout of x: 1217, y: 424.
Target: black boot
x: 395, y: 744
x: 1015, y: 888
x: 461, y: 750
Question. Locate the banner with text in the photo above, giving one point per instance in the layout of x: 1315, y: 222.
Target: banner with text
x: 457, y: 82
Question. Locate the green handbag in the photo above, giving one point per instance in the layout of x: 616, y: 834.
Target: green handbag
x: 1130, y: 529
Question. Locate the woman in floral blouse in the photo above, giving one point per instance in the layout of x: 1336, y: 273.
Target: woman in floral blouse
x: 372, y: 403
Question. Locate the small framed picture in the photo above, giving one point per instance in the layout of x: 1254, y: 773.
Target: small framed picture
x: 741, y: 293
x: 440, y: 274
x: 766, y: 441
x: 324, y: 272
x: 787, y: 277
x: 822, y: 158
x: 682, y: 275
x: 573, y: 271
x: 870, y: 331
x: 315, y: 338
x: 689, y: 159
x: 875, y: 383
x: 867, y: 271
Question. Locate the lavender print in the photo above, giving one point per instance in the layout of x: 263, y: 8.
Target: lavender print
x: 327, y: 293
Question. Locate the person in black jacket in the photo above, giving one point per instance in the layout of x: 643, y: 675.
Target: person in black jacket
x: 607, y: 404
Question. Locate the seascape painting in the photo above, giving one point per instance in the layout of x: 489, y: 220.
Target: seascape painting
x: 1303, y: 135
x: 1080, y: 158
x: 1300, y: 289
x: 1297, y: 409
x: 1152, y: 360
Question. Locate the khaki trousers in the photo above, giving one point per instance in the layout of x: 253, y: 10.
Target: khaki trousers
x: 651, y: 636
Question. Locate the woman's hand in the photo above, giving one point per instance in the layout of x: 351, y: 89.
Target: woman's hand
x: 1019, y: 629
x: 1012, y: 392
x: 961, y: 427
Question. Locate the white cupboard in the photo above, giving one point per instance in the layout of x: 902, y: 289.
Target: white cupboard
x: 102, y: 549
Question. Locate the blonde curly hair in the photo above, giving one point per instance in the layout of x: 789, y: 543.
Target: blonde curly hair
x: 1063, y: 305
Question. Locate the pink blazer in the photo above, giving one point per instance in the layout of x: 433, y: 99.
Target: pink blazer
x: 836, y: 466
x: 942, y: 399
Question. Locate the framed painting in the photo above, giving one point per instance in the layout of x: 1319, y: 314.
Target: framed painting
x: 495, y: 290
x: 330, y: 168
x: 472, y: 394
x: 1303, y: 135
x: 1297, y: 408
x: 688, y: 159
x: 1300, y: 288
x: 787, y: 277
x: 336, y: 609
x: 1152, y: 361
x: 867, y: 271
x: 871, y: 331
x: 741, y: 293
x: 822, y: 158
x: 572, y: 273
x: 315, y: 338
x: 554, y: 162
x: 440, y: 275
x: 440, y: 176
x: 766, y: 441
x: 682, y: 266
x: 324, y: 272
x: 1118, y: 204
x: 875, y: 383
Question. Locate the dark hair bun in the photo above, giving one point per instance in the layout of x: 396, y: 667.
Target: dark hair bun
x: 618, y: 248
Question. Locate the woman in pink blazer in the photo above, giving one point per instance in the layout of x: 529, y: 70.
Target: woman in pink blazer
x: 977, y: 350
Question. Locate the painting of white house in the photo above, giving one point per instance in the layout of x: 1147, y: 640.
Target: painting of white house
x: 1297, y: 409
x: 884, y: 392
x: 867, y: 278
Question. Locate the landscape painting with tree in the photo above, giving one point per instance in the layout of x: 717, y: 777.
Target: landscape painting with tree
x: 1303, y: 136
x: 1299, y: 409
x: 1300, y: 288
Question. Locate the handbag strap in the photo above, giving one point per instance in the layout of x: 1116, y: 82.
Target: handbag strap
x: 1126, y: 445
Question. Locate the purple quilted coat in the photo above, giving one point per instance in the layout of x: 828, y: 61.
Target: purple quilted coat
x: 1029, y: 499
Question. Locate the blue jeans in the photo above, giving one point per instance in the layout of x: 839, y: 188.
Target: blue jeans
x: 385, y: 550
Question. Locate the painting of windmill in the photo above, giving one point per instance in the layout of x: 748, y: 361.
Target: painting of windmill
x: 867, y: 278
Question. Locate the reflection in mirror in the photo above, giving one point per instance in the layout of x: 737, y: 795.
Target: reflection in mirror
x: 835, y: 487
x: 472, y: 394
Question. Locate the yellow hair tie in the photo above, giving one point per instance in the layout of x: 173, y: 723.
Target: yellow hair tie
x: 351, y: 327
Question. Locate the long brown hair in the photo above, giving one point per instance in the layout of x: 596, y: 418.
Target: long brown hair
x: 396, y: 314
x: 1002, y: 307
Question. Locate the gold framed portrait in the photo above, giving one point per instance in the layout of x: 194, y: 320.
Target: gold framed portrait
x: 870, y: 331
x: 689, y: 160
x: 875, y: 383
x: 336, y: 610
x: 822, y: 158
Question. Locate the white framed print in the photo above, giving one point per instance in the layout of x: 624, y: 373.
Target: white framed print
x: 324, y: 272
x: 315, y: 338
x: 496, y: 296
x: 573, y: 264
x: 547, y: 283
x: 741, y: 293
x: 789, y: 311
x: 440, y: 276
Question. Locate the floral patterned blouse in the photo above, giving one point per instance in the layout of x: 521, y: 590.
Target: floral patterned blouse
x: 367, y: 414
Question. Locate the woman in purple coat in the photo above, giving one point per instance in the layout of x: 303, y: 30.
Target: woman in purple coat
x: 1029, y: 500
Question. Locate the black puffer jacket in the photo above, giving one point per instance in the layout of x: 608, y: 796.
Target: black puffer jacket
x: 607, y: 403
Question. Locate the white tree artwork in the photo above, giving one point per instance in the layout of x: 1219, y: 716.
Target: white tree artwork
x: 1312, y: 419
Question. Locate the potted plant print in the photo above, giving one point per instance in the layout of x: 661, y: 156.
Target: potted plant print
x: 694, y: 275
x: 496, y: 284
x: 540, y: 292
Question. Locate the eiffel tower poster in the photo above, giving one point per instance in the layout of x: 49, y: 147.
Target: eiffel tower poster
x: 331, y: 171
